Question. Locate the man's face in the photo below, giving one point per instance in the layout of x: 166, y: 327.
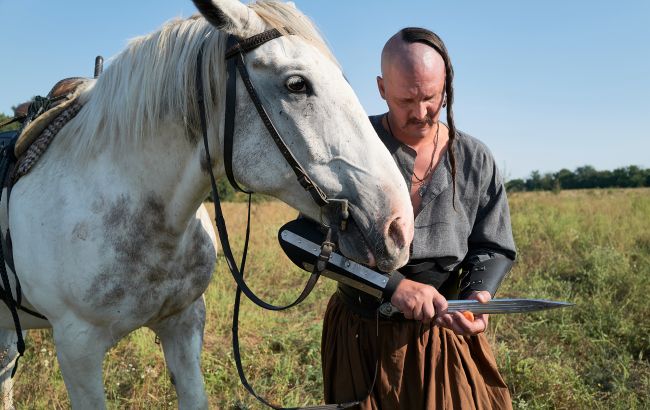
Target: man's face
x: 413, y: 88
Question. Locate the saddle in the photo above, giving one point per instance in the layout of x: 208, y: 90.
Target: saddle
x: 37, y: 114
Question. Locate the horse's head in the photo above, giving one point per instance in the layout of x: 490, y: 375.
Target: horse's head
x: 318, y: 115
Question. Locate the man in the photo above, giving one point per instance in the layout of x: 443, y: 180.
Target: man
x: 428, y: 358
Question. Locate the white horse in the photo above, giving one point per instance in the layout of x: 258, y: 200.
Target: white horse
x: 109, y: 232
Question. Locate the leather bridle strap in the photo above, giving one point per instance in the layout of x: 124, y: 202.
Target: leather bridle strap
x: 229, y: 127
x: 235, y: 58
x: 252, y: 42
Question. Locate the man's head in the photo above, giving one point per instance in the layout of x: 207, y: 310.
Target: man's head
x: 416, y: 76
x: 417, y: 81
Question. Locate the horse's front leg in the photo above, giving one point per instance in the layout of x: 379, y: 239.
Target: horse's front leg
x: 80, y: 349
x: 8, y: 354
x: 181, y: 336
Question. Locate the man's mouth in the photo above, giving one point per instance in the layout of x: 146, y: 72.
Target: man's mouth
x: 421, y: 124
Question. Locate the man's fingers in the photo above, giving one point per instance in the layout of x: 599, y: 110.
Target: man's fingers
x: 440, y: 304
x: 428, y: 312
x: 417, y: 312
x: 462, y: 326
x: 444, y: 320
x: 482, y: 296
x: 468, y: 315
x: 459, y: 324
x: 408, y: 313
x: 484, y: 318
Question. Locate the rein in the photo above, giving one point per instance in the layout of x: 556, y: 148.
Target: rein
x: 235, y: 59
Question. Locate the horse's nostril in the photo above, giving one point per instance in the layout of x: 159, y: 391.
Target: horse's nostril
x: 396, y: 233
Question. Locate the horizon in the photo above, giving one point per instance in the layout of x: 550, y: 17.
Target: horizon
x: 545, y: 86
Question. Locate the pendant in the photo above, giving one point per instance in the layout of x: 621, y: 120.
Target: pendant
x: 422, y: 189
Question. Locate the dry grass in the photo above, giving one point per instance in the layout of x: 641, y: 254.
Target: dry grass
x: 590, y: 247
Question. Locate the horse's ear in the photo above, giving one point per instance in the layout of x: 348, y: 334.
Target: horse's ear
x: 230, y: 15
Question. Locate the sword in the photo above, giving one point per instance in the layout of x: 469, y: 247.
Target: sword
x: 300, y: 241
x: 494, y: 306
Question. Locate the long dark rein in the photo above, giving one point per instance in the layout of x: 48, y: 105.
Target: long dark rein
x: 235, y: 60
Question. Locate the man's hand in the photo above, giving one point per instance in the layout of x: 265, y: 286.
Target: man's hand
x: 418, y: 301
x: 460, y: 325
x: 422, y: 302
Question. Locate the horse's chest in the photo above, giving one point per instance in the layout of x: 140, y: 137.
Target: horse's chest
x: 148, y: 270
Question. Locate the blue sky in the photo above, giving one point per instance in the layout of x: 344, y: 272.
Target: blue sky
x: 546, y: 85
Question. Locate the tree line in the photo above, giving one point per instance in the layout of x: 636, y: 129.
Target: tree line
x: 583, y: 177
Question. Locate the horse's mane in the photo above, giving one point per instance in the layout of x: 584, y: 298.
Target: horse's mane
x: 154, y: 78
x: 280, y: 15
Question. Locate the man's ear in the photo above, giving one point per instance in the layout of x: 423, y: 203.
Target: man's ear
x: 230, y: 16
x: 380, y: 86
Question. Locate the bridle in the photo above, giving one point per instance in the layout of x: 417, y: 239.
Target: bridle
x: 235, y: 58
x: 235, y: 52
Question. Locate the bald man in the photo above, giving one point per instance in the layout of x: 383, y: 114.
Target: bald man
x: 463, y: 247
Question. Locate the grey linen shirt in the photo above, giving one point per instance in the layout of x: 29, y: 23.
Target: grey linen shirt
x: 481, y: 221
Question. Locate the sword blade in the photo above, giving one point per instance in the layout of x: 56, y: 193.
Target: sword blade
x: 504, y: 305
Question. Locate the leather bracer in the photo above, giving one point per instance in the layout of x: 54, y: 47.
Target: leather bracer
x: 484, y: 271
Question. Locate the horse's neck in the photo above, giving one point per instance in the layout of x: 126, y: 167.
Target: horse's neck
x: 165, y: 165
x: 172, y: 168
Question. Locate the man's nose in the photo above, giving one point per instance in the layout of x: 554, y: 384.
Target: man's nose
x: 421, y: 110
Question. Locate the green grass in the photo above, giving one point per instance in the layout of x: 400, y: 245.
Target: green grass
x: 589, y: 247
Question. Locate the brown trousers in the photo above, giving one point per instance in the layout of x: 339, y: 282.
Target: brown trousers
x: 421, y: 366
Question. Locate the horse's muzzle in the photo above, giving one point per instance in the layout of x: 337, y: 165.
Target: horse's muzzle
x: 384, y: 245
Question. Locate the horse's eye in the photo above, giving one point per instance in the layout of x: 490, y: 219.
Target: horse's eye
x: 296, y: 84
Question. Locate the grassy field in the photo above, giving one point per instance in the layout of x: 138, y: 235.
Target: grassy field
x: 589, y: 247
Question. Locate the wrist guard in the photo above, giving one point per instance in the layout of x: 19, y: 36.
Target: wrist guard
x: 484, y: 272
x: 394, y: 278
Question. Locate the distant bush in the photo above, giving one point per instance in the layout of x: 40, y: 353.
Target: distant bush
x: 12, y: 126
x: 584, y: 177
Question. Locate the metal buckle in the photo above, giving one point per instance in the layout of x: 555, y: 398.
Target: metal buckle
x: 388, y: 310
x: 342, y: 211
